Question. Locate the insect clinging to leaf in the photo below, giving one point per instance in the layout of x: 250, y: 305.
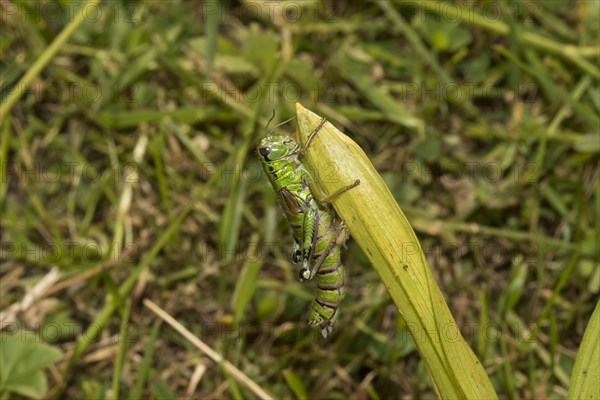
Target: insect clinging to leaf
x: 316, y: 236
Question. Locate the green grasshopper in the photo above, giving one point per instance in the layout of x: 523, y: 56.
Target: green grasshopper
x: 315, y: 236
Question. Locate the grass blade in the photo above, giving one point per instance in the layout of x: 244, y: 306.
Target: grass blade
x: 585, y: 379
x: 246, y: 284
x: 123, y: 341
x: 144, y: 369
x: 213, y: 15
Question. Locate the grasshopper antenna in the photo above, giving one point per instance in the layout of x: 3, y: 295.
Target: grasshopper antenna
x: 270, y: 119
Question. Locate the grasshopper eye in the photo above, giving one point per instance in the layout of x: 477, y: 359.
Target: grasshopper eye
x: 264, y: 151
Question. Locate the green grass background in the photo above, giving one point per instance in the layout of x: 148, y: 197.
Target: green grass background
x: 128, y: 164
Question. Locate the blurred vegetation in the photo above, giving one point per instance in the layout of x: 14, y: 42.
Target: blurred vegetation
x: 128, y: 173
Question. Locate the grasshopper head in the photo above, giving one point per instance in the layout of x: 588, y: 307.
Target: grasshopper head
x: 273, y: 148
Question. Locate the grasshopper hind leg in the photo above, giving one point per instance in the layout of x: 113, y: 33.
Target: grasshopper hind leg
x: 340, y: 235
